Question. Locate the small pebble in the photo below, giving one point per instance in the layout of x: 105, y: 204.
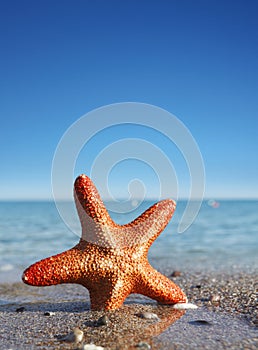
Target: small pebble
x: 49, y: 313
x: 20, y: 309
x: 103, y: 321
x: 215, y: 299
x: 75, y: 336
x: 91, y: 347
x: 149, y: 316
x: 175, y: 274
x: 143, y: 345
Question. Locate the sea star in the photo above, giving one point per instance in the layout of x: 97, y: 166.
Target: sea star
x: 110, y: 260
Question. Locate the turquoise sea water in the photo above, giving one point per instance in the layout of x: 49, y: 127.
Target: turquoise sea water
x: 220, y: 238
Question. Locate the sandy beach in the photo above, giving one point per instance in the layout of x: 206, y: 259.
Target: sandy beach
x: 37, y: 318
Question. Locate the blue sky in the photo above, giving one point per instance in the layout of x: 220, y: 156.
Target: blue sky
x: 62, y: 59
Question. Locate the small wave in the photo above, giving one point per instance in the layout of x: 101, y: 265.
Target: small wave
x: 6, y: 267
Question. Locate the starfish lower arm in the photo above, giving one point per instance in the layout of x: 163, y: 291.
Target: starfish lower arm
x: 164, y: 290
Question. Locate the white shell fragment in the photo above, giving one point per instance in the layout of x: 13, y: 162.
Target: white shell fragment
x: 184, y: 306
x: 91, y: 347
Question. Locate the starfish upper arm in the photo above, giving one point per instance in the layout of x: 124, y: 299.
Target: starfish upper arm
x: 148, y: 226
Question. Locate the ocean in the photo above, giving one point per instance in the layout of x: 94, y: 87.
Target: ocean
x: 224, y: 236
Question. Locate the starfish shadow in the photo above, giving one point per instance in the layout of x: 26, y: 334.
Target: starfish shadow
x: 128, y: 319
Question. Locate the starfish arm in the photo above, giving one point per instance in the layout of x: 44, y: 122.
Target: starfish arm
x: 157, y: 286
x: 148, y: 226
x: 66, y: 267
x: 89, y: 203
x: 109, y: 294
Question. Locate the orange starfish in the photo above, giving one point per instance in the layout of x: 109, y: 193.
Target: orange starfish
x: 110, y: 260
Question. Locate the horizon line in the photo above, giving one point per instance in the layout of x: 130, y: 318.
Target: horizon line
x: 125, y: 199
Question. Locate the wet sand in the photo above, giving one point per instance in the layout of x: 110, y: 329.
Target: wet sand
x: 36, y: 318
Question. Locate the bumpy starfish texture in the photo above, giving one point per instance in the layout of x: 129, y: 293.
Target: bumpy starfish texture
x: 110, y: 260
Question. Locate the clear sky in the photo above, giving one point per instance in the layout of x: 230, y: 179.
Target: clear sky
x: 62, y: 59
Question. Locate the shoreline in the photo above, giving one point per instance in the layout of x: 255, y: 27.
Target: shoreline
x: 225, y: 319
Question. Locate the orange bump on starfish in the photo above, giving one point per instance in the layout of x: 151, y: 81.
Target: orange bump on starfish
x: 110, y: 260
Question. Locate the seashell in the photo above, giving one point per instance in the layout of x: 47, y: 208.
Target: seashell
x: 149, y: 316
x: 143, y: 345
x: 75, y: 336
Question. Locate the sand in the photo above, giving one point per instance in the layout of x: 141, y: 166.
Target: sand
x: 36, y: 318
